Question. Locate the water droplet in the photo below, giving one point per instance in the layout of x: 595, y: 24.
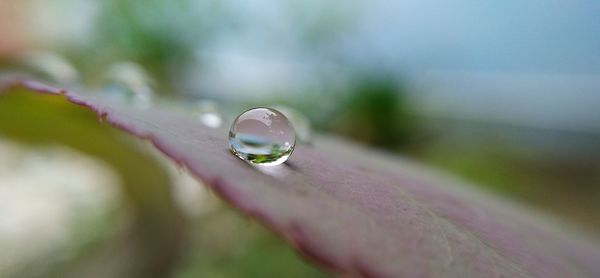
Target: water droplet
x: 299, y: 121
x: 262, y: 136
x: 211, y: 120
x: 129, y: 82
x: 51, y: 66
x: 208, y: 113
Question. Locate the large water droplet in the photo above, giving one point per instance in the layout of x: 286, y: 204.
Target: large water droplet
x: 129, y: 82
x: 262, y: 136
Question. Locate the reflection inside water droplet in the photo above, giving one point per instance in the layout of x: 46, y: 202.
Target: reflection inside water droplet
x: 262, y: 136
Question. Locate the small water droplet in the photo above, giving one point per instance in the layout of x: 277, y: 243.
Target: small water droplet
x: 208, y: 113
x: 299, y: 121
x: 211, y: 120
x: 51, y: 66
x: 262, y: 136
x: 129, y: 82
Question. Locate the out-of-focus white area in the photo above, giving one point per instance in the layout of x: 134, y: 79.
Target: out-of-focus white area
x: 557, y: 102
x: 46, y: 193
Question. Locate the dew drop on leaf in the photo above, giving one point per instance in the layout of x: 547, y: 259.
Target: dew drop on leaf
x: 129, y: 82
x: 262, y: 136
x: 51, y: 67
x: 208, y: 113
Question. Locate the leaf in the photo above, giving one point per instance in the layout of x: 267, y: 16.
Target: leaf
x: 361, y: 213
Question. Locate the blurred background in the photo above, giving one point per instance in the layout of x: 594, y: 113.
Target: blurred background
x: 506, y: 95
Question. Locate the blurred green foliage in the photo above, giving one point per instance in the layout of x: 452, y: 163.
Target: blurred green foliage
x: 161, y: 36
x: 239, y: 248
x: 375, y: 112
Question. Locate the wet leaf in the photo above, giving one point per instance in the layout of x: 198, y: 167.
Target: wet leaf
x: 357, y: 212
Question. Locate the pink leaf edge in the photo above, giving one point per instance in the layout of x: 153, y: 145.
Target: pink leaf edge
x: 357, y: 212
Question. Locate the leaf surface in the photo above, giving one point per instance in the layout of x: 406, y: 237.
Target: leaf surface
x: 361, y: 213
